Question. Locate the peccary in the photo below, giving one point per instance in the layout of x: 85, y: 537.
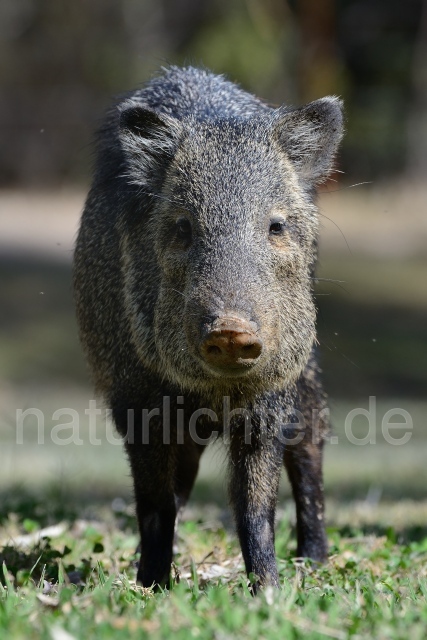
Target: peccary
x: 193, y: 277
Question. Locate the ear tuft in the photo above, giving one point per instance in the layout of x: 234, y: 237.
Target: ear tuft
x: 310, y: 136
x: 149, y: 141
x: 140, y: 122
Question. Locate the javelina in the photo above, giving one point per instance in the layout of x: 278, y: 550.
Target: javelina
x: 193, y: 281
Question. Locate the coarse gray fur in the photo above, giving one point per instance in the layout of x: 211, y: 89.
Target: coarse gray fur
x: 193, y: 146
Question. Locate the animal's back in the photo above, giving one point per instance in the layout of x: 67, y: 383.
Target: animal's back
x: 199, y: 94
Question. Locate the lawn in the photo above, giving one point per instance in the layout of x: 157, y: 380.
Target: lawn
x: 68, y: 538
x: 77, y: 579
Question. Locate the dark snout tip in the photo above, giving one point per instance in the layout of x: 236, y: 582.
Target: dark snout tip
x: 231, y: 345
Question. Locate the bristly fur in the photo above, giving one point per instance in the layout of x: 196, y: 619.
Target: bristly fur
x: 192, y: 145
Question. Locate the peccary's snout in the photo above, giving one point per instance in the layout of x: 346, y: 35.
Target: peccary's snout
x: 231, y: 344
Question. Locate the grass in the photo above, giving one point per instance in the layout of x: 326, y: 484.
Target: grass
x: 68, y: 539
x: 77, y: 578
x: 80, y: 583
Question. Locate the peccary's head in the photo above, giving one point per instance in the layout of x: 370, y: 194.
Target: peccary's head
x: 218, y: 268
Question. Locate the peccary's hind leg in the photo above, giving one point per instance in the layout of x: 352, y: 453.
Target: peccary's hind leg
x: 187, y: 467
x: 254, y: 484
x: 303, y: 463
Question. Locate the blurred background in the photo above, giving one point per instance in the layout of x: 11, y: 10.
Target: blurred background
x: 60, y: 65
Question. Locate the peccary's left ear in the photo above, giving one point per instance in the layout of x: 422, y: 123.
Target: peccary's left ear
x: 310, y: 136
x: 149, y: 141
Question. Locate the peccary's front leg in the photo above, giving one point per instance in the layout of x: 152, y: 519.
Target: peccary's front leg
x: 303, y: 463
x: 152, y: 462
x: 164, y: 466
x: 254, y: 485
x: 152, y: 470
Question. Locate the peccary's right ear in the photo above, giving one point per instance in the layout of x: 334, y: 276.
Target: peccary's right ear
x: 149, y: 141
x: 310, y: 136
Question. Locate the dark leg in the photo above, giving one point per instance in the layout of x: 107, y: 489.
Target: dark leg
x: 188, y: 456
x: 187, y: 467
x: 303, y: 463
x: 254, y: 484
x: 152, y: 471
x: 153, y: 465
x: 163, y: 475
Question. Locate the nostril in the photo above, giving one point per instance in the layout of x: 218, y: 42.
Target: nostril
x: 247, y: 347
x: 251, y: 350
x: 213, y: 350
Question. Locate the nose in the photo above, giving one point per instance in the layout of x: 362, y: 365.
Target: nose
x: 231, y: 344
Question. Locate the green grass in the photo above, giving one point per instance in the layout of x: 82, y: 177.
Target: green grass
x: 374, y: 585
x: 82, y: 582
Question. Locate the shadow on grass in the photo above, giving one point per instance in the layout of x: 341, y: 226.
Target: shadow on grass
x: 53, y: 504
x: 397, y: 535
x: 366, y: 348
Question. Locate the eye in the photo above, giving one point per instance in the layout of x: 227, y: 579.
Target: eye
x: 183, y: 230
x: 277, y: 227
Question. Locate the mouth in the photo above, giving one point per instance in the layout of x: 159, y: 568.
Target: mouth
x: 240, y: 368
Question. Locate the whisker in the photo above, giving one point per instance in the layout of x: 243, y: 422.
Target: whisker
x: 175, y: 203
x: 180, y: 293
x: 339, y: 229
x: 334, y: 347
x: 322, y: 343
x: 164, y: 199
x: 350, y: 186
x: 338, y: 283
